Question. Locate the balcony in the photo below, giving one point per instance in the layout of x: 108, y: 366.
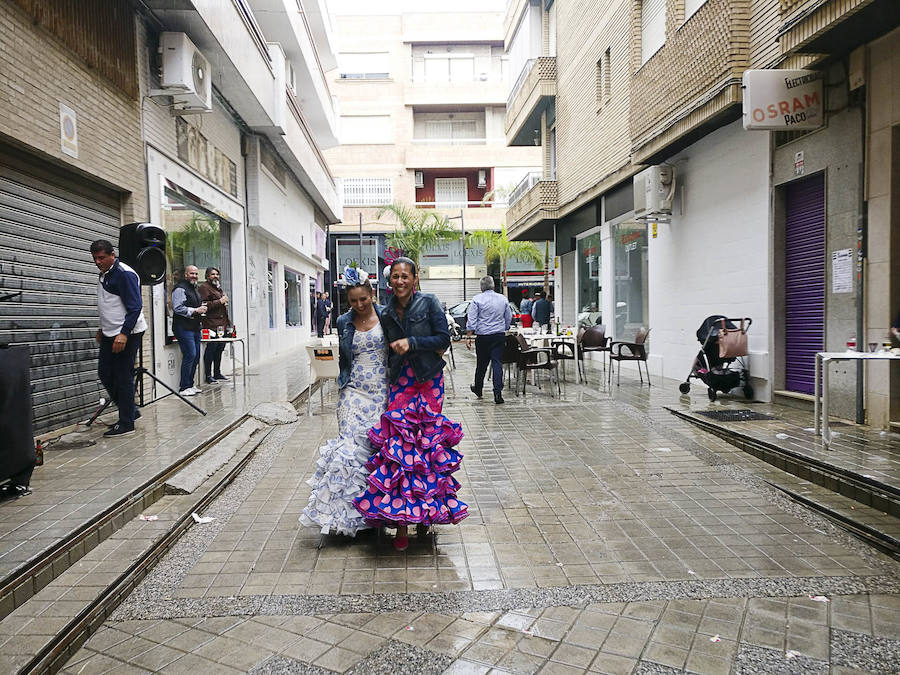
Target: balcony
x: 454, y: 153
x: 533, y: 90
x: 532, y: 208
x: 477, y: 215
x: 490, y: 91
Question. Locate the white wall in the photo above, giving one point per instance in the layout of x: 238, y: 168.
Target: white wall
x: 714, y: 256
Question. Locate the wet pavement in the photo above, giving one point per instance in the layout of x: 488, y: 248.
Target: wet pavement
x: 605, y: 535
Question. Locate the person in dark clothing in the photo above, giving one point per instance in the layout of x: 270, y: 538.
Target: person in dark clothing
x: 188, y: 308
x: 541, y: 311
x: 216, y: 317
x: 122, y: 327
x: 321, y: 313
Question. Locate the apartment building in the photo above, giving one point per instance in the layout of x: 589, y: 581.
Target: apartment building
x: 422, y: 97
x: 757, y: 217
x: 239, y: 181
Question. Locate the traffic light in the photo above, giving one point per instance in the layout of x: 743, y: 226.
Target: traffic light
x: 143, y: 247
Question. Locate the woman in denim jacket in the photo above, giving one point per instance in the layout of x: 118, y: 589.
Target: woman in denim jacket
x: 341, y: 469
x: 411, y: 480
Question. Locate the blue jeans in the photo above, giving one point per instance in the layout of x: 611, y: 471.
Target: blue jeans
x: 116, y: 372
x: 189, y: 342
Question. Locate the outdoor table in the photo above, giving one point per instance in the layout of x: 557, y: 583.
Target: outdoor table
x: 547, y: 340
x: 822, y: 361
x: 324, y: 364
x: 232, y: 340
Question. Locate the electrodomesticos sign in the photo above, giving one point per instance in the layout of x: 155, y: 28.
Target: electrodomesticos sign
x: 783, y: 99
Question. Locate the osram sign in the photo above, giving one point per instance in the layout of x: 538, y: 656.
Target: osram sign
x: 783, y: 99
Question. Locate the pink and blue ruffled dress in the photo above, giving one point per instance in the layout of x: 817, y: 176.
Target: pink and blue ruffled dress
x: 411, y: 479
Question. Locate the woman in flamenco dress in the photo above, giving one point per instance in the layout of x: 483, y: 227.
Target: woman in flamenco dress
x: 411, y: 480
x: 340, y: 470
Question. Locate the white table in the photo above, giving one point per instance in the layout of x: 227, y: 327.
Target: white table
x: 324, y: 364
x: 822, y: 361
x: 226, y: 340
x: 547, y: 340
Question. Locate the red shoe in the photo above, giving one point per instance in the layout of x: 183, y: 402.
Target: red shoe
x: 401, y: 543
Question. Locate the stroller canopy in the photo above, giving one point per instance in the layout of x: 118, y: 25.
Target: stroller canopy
x: 711, y: 324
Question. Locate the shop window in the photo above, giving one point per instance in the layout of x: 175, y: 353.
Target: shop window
x: 590, y: 289
x: 293, y: 304
x: 630, y: 268
x: 194, y: 236
x: 270, y: 292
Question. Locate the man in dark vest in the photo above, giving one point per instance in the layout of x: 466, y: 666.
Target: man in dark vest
x: 188, y: 308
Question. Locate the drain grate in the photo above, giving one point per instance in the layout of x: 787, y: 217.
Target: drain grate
x: 737, y: 415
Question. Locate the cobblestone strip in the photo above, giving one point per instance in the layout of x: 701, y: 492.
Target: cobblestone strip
x: 402, y: 659
x: 169, y: 573
x: 753, y: 660
x: 499, y: 600
x: 761, y: 486
x: 864, y: 652
x: 282, y: 665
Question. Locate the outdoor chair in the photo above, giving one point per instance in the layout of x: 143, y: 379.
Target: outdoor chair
x: 593, y: 339
x: 535, y: 359
x: 630, y: 351
x: 564, y: 350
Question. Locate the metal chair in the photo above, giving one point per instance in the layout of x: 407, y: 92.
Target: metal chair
x: 564, y: 350
x: 593, y: 339
x: 630, y: 351
x: 535, y: 359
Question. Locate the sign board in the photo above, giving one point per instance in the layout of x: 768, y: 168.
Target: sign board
x: 452, y: 271
x: 781, y: 100
x: 68, y: 131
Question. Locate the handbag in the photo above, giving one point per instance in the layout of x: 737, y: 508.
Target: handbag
x: 732, y: 341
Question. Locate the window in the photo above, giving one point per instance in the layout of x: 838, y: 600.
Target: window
x: 368, y: 191
x: 196, y: 237
x: 293, y: 305
x: 607, y: 76
x: 603, y: 80
x: 552, y: 151
x: 450, y: 68
x: 450, y: 193
x: 454, y: 132
x: 590, y: 292
x: 364, y: 65
x: 691, y: 6
x: 366, y: 129
x: 270, y: 292
x: 653, y: 27
x: 630, y: 260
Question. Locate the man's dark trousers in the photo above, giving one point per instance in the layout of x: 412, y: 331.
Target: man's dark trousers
x: 489, y: 348
x: 320, y: 326
x: 116, y: 372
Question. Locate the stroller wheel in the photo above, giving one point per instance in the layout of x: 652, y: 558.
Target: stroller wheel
x: 684, y: 387
x: 711, y: 393
x: 748, y: 391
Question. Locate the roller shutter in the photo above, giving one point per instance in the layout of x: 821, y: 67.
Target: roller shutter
x: 48, y: 299
x: 804, y: 290
x: 450, y: 291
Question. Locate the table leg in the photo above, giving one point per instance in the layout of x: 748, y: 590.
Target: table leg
x: 233, y: 378
x: 826, y: 432
x: 817, y: 391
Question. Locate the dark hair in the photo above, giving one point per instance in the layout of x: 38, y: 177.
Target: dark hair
x: 104, y: 245
x: 405, y: 261
x: 210, y: 269
x: 366, y: 285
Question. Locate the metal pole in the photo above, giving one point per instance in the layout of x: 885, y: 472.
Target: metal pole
x: 360, y: 240
x: 462, y: 224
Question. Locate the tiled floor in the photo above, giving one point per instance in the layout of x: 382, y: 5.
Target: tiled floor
x: 605, y: 535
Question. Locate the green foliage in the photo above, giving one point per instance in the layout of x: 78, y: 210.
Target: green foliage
x: 498, y: 248
x: 420, y: 229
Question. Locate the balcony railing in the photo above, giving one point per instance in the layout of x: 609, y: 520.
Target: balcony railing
x: 456, y: 141
x: 460, y: 205
x: 531, y: 179
x: 519, y: 82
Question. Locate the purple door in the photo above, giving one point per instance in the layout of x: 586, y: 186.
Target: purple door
x: 804, y: 291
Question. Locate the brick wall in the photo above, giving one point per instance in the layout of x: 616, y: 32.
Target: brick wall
x: 37, y: 73
x: 698, y: 57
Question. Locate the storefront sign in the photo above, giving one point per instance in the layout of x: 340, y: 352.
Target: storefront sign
x: 783, y: 99
x: 348, y: 251
x: 68, y: 131
x: 799, y: 163
x: 198, y: 153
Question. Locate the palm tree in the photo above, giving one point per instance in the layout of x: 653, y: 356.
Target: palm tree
x: 420, y: 229
x: 498, y: 248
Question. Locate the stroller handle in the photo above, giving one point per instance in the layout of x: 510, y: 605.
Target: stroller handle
x: 740, y: 320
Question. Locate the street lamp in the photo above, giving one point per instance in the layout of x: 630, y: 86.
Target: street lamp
x: 462, y: 224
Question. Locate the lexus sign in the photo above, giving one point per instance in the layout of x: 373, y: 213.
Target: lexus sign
x: 782, y: 100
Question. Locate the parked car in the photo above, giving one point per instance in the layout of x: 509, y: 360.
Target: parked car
x: 460, y: 312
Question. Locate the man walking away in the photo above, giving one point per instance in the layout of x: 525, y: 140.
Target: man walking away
x: 321, y: 312
x: 188, y: 308
x: 216, y: 317
x: 541, y: 311
x: 122, y: 326
x: 489, y: 317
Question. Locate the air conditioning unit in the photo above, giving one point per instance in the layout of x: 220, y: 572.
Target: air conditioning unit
x: 654, y: 189
x: 482, y: 178
x: 420, y: 179
x: 186, y: 74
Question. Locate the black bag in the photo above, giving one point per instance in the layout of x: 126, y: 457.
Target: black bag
x: 17, y: 456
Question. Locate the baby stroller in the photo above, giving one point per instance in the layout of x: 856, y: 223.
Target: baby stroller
x: 720, y: 364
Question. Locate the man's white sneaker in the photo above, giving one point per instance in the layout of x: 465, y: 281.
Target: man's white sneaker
x: 197, y: 390
x: 190, y: 391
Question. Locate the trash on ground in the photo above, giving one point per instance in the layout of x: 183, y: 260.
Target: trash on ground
x: 202, y: 520
x: 790, y: 653
x: 715, y: 638
x: 145, y: 517
x: 664, y: 449
x: 819, y: 598
x: 692, y: 572
x: 781, y: 437
x: 409, y: 628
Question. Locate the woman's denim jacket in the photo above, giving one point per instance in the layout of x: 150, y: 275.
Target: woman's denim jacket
x: 425, y: 326
x: 346, y: 331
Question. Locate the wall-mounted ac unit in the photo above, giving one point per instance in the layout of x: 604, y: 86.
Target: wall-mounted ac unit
x: 654, y: 189
x: 186, y: 74
x: 482, y: 178
x: 420, y: 179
